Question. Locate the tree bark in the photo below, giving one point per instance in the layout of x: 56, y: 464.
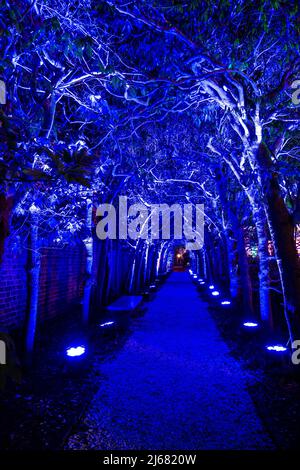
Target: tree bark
x: 245, y: 278
x: 264, y: 273
x: 6, y: 205
x: 240, y: 280
x: 89, y: 248
x: 281, y: 228
x: 34, y: 267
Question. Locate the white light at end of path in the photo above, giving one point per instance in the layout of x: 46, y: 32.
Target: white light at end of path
x: 211, y: 287
x: 226, y: 302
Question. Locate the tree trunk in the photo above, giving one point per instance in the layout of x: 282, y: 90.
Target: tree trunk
x: 245, y: 278
x: 233, y: 262
x: 164, y: 264
x: 264, y: 275
x: 108, y: 271
x: 159, y: 257
x: 140, y: 266
x: 132, y: 275
x: 240, y: 281
x: 204, y: 263
x: 147, y: 261
x: 86, y: 303
x: 282, y: 233
x: 89, y: 248
x: 6, y: 204
x: 98, y: 293
x: 34, y: 267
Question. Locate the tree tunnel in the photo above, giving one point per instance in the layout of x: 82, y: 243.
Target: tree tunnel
x: 150, y: 150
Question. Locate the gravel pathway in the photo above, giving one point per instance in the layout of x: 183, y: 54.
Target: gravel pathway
x: 173, y: 385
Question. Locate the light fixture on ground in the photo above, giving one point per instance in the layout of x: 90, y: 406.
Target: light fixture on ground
x: 250, y: 324
x: 107, y: 323
x: 211, y: 287
x: 75, y: 351
x: 276, y: 348
x: 202, y: 283
x: 215, y: 293
x: 226, y: 302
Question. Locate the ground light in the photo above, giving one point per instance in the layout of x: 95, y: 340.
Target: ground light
x: 202, y: 283
x: 276, y: 348
x: 215, y: 293
x: 200, y: 279
x: 250, y: 324
x: 211, y: 287
x: 75, y: 352
x: 226, y: 302
x: 107, y: 323
x: 195, y: 276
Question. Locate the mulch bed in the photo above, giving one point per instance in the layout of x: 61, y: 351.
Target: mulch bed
x: 276, y: 388
x: 55, y: 390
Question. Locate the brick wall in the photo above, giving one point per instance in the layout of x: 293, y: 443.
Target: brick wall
x: 61, y: 282
x: 13, y: 289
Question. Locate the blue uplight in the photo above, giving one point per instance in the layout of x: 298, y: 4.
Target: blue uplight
x: 226, y: 302
x: 107, y: 323
x: 74, y: 352
x: 276, y: 348
x: 215, y: 293
x: 250, y: 324
x: 211, y: 287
